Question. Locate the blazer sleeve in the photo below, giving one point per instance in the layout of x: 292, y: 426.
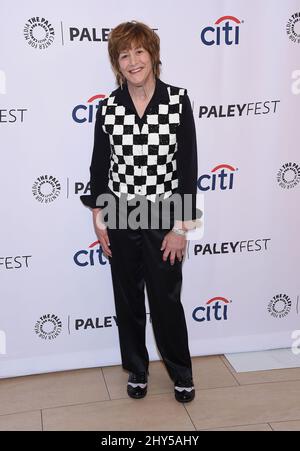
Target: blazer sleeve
x: 100, y: 163
x: 187, y: 160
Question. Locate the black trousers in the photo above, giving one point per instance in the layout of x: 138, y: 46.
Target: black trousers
x: 137, y: 262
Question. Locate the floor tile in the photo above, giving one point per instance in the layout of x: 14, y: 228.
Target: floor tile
x: 27, y: 421
x: 251, y: 428
x: 159, y: 412
x: 250, y: 404
x: 27, y: 393
x: 286, y: 426
x: 210, y: 372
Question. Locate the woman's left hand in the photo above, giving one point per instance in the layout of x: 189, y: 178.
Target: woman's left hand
x: 173, y: 245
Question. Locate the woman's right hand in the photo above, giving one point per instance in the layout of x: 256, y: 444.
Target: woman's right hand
x: 101, y: 231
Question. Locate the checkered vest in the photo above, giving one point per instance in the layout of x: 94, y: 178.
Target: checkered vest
x: 143, y: 161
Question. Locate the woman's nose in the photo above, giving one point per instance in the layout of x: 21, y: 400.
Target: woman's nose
x: 132, y: 59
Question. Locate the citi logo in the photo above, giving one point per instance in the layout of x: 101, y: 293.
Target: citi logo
x: 216, y: 309
x: 91, y: 257
x: 227, y: 34
x: 86, y: 112
x: 221, y: 177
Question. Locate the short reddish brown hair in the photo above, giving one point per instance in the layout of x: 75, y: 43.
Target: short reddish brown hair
x: 124, y: 36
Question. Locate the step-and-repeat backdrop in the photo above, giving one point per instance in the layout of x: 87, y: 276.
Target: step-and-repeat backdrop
x: 240, y: 62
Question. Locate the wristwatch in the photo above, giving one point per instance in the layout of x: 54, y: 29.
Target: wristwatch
x: 179, y: 231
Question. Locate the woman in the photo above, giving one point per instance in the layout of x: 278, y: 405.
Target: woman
x: 145, y: 146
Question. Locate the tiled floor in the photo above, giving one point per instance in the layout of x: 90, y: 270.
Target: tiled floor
x: 96, y: 399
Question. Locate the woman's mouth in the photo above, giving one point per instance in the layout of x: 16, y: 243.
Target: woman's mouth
x: 135, y: 71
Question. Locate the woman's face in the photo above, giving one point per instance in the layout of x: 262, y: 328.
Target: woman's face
x: 136, y: 65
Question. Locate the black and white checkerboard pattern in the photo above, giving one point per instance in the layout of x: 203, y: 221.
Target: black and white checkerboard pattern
x: 143, y: 161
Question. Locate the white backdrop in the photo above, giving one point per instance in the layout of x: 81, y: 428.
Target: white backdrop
x: 241, y: 275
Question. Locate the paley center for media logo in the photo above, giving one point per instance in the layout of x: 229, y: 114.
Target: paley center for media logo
x: 39, y: 33
x: 280, y: 306
x: 225, y: 30
x: 86, y: 112
x: 215, y: 309
x: 221, y: 177
x: 46, y: 189
x: 288, y: 175
x: 293, y: 28
x: 48, y: 327
x: 91, y: 256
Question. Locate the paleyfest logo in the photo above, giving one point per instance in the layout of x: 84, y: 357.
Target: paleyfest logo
x: 39, y: 33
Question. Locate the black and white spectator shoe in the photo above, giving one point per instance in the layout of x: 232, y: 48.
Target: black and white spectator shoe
x: 184, y: 390
x: 137, y: 385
